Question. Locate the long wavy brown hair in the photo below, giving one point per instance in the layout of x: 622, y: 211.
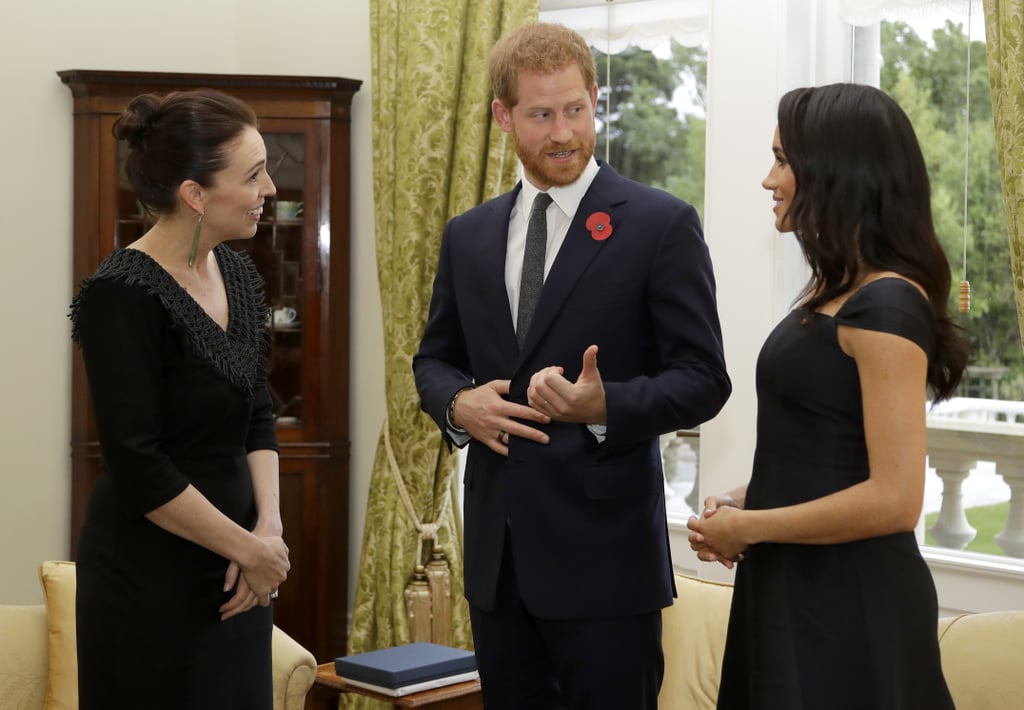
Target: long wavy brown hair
x: 863, y: 202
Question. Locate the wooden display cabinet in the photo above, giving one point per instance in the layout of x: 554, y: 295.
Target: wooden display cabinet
x: 301, y: 249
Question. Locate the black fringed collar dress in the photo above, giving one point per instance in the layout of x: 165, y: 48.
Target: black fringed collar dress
x: 178, y: 401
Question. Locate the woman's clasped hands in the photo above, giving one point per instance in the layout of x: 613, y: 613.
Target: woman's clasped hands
x: 715, y: 535
x: 257, y: 577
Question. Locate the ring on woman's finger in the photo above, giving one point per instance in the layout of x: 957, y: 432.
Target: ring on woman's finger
x: 501, y: 437
x: 273, y: 595
x: 545, y: 403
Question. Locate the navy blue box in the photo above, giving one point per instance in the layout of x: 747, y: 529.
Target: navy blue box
x: 404, y: 665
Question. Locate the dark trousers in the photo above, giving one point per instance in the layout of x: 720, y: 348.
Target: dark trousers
x: 527, y: 663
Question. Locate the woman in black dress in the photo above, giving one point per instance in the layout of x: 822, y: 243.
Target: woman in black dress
x: 181, y: 550
x: 833, y: 605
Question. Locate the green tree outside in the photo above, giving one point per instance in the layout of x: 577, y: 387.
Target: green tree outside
x: 929, y: 81
x: 650, y: 141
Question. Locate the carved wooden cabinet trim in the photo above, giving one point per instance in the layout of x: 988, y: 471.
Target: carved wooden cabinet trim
x: 302, y: 251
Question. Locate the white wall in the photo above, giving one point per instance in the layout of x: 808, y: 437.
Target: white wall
x: 737, y: 221
x: 326, y: 38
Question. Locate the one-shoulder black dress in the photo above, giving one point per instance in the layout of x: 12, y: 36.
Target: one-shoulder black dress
x: 178, y: 401
x: 830, y: 627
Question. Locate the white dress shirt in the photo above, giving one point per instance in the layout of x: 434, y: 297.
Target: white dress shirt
x: 565, y: 201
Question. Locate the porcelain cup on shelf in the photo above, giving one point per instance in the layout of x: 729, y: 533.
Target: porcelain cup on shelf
x: 287, y: 209
x: 285, y: 315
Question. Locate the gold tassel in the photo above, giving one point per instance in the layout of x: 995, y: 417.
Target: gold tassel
x: 440, y: 597
x: 965, y: 296
x: 417, y: 606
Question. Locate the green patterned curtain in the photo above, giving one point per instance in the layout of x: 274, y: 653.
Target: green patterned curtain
x: 436, y: 153
x: 1004, y: 28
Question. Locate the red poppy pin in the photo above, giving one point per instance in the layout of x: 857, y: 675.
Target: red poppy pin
x: 600, y: 226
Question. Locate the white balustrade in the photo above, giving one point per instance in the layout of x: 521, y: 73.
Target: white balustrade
x: 692, y: 437
x: 977, y: 409
x: 679, y: 450
x: 961, y: 433
x: 951, y: 528
x: 1011, y: 538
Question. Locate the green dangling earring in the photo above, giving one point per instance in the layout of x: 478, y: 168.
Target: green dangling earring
x: 195, y: 242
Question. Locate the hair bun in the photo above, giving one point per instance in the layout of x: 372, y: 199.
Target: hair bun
x: 136, y: 121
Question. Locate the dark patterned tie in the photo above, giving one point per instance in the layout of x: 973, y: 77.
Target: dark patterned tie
x: 533, y: 264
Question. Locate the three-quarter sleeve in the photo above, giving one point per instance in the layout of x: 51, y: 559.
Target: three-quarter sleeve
x: 121, y: 330
x: 262, y: 434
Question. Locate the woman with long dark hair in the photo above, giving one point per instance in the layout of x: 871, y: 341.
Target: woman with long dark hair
x: 834, y: 606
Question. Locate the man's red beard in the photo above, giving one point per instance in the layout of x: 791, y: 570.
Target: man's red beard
x: 551, y: 173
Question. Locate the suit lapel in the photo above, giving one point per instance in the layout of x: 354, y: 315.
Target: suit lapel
x: 576, y: 253
x: 493, y: 251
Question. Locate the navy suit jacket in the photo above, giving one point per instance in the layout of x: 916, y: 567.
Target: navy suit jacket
x: 587, y: 519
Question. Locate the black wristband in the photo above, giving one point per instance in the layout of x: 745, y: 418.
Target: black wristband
x: 449, y: 413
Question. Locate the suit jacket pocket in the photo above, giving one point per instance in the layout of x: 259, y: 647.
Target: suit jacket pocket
x: 627, y: 477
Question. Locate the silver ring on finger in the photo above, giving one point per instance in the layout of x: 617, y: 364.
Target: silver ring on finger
x: 273, y: 595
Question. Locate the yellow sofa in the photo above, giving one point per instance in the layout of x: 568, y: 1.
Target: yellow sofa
x: 38, y: 660
x: 982, y: 654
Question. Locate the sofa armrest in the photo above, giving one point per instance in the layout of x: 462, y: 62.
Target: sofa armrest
x: 981, y: 659
x: 23, y: 656
x: 294, y: 671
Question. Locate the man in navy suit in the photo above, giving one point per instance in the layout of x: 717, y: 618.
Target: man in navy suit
x: 566, y: 543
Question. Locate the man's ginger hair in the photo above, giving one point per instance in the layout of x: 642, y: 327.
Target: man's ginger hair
x: 538, y: 48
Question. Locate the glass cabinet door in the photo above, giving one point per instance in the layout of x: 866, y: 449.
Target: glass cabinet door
x: 278, y: 251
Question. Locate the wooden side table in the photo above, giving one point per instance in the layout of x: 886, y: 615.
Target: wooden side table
x: 328, y: 687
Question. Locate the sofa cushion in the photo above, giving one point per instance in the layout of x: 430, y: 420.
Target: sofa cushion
x: 59, y: 587
x: 694, y: 642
